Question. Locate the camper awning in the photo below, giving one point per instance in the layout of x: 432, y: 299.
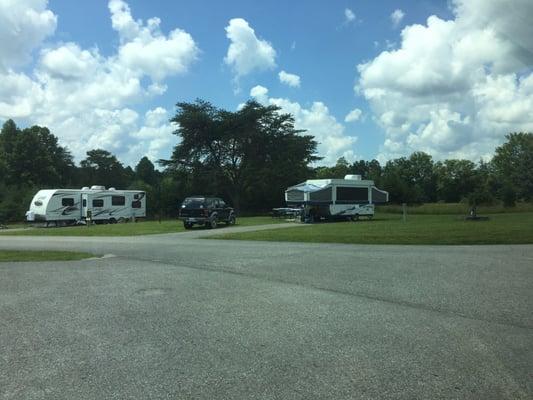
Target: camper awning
x: 307, y: 187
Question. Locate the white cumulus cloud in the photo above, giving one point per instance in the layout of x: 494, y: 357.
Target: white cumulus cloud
x: 397, y: 17
x: 88, y: 99
x: 24, y: 24
x: 247, y: 53
x: 455, y: 87
x: 349, y: 15
x: 291, y: 80
x: 353, y: 115
x: 318, y: 121
x: 146, y: 49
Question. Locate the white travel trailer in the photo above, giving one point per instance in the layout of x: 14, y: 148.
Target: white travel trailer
x: 350, y: 197
x: 94, y: 203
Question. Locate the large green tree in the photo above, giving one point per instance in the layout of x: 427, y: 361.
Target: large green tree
x: 456, y: 179
x: 410, y: 179
x: 33, y: 156
x: 513, y: 164
x: 101, y: 167
x: 246, y: 154
x: 145, y: 171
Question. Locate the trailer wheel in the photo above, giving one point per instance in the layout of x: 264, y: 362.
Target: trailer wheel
x: 112, y: 221
x: 355, y: 217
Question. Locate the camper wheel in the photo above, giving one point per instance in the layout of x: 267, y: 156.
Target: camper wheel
x: 355, y: 217
x: 112, y: 221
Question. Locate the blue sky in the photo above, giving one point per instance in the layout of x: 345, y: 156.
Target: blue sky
x: 429, y: 80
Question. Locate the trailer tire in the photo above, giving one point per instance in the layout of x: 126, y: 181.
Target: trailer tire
x: 355, y: 217
x: 112, y: 221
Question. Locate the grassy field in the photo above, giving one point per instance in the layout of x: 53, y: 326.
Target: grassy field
x: 418, y: 229
x: 454, y: 208
x: 129, y: 229
x: 16, y: 255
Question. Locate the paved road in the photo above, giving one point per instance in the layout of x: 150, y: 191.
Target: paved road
x: 179, y: 317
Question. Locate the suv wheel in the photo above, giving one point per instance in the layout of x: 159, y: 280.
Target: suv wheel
x: 187, y: 225
x: 213, y: 223
x: 231, y: 220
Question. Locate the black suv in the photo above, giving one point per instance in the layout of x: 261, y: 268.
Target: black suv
x: 204, y: 210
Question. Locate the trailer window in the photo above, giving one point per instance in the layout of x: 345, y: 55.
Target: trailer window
x: 321, y: 196
x: 347, y: 195
x: 67, y: 201
x: 294, y: 195
x: 118, y: 200
x: 136, y: 204
x: 84, y: 203
x: 98, y: 203
x: 379, y: 196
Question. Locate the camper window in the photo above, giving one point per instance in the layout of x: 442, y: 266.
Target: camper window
x: 67, y: 201
x: 84, y: 203
x: 347, y: 195
x: 136, y: 204
x: 98, y: 203
x: 118, y: 200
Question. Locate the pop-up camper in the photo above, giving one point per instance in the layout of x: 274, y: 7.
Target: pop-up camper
x: 95, y: 203
x: 350, y: 197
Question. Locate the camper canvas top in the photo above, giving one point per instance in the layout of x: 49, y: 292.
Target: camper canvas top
x: 312, y: 185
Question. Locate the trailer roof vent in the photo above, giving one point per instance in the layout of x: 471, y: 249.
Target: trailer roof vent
x: 112, y: 189
x: 97, y: 187
x: 353, y: 177
x: 85, y: 188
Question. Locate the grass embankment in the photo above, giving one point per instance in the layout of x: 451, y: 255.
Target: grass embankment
x: 454, y: 208
x: 418, y: 229
x: 17, y: 255
x: 129, y: 229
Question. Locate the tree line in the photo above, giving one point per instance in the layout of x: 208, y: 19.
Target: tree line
x: 249, y: 157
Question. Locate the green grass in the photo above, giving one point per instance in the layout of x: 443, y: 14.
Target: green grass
x: 418, y: 229
x: 129, y: 229
x: 14, y: 225
x: 16, y: 255
x: 454, y: 208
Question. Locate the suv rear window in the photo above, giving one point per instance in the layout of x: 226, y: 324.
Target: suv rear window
x: 194, y: 202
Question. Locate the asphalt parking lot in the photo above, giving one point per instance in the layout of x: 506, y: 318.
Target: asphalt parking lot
x: 179, y: 317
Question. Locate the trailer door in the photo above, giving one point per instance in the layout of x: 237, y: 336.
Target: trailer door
x: 84, y: 205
